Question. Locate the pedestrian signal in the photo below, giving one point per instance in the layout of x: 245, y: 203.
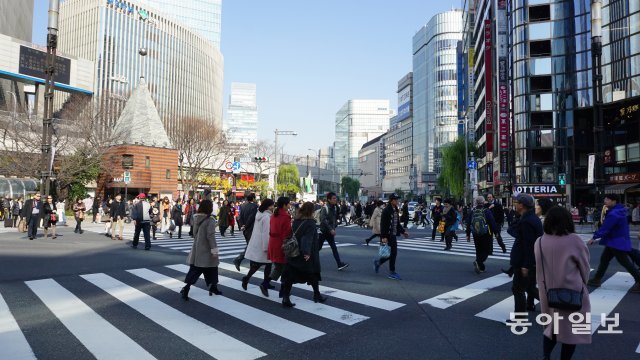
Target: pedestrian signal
x: 562, y: 180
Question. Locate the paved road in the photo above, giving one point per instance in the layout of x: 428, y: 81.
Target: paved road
x: 86, y: 296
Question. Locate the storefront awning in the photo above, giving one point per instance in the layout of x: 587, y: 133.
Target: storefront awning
x: 618, y: 188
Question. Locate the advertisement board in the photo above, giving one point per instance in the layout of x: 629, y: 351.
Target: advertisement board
x: 32, y: 63
x: 404, y: 103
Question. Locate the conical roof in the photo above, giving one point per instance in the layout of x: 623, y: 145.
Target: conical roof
x: 139, y: 123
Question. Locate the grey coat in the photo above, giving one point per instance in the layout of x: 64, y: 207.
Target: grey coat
x: 204, y: 240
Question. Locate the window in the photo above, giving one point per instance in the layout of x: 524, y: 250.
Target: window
x: 542, y: 119
x: 633, y: 152
x: 127, y: 161
x: 539, y: 31
x: 168, y: 174
x: 147, y: 162
x: 621, y: 155
x: 539, y: 13
x: 540, y: 48
x: 540, y: 66
x: 540, y: 83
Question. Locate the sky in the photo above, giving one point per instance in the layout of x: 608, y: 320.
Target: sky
x: 308, y: 58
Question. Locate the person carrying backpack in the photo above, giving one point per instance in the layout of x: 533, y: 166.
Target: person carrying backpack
x: 481, y: 223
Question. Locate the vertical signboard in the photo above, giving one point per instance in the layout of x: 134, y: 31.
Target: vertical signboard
x: 471, y: 95
x: 488, y: 88
x: 503, y: 92
x: 591, y: 169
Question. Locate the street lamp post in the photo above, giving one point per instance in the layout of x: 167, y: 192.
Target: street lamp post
x: 466, y: 159
x: 275, y: 158
x: 596, y: 53
x: 47, y: 120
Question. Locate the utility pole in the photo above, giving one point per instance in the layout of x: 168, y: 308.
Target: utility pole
x: 598, y: 127
x: 47, y: 120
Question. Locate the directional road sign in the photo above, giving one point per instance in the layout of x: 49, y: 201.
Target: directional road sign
x: 472, y: 165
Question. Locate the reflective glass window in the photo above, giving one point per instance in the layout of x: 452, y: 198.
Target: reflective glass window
x: 634, y: 41
x: 540, y: 66
x: 634, y: 5
x: 539, y: 31
x: 633, y: 152
x: 635, y: 64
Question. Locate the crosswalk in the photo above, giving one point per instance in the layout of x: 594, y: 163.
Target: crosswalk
x: 145, y: 291
x: 229, y: 245
x: 460, y: 247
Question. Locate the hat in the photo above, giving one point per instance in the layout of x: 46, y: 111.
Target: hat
x: 393, y: 196
x: 142, y: 196
x: 525, y: 199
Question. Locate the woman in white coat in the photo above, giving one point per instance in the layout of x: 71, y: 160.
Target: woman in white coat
x: 375, y: 221
x: 258, y: 246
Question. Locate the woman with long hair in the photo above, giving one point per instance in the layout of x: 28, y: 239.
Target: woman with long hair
x: 204, y: 256
x: 280, y: 229
x: 257, y: 249
x: 50, y: 217
x: 304, y: 268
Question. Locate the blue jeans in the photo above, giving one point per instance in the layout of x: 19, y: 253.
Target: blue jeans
x: 34, y: 221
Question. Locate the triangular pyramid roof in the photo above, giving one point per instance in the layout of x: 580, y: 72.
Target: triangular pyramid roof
x: 139, y: 123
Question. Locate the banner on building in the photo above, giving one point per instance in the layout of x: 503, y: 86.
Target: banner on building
x: 488, y: 97
x: 591, y: 169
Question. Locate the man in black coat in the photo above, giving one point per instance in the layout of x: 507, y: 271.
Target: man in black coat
x: 482, y: 238
x: 498, y: 215
x: 118, y: 213
x: 33, y: 213
x: 390, y: 228
x: 436, y: 216
x: 328, y: 225
x: 523, y: 259
x: 246, y: 221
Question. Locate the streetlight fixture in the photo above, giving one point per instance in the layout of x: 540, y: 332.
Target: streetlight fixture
x: 275, y: 158
x: 596, y: 53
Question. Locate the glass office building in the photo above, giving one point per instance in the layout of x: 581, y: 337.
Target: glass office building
x: 358, y: 122
x: 202, y: 16
x: 184, y: 70
x: 241, y: 124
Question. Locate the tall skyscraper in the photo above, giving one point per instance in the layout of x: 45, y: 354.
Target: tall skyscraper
x: 184, y: 70
x: 357, y: 122
x: 241, y: 124
x: 202, y: 16
x: 435, y: 116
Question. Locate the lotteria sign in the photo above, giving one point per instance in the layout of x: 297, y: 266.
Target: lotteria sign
x: 540, y: 189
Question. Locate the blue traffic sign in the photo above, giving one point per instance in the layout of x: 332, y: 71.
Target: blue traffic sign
x: 472, y: 165
x: 236, y: 165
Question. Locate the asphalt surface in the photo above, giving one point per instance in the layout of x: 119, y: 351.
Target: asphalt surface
x: 87, y: 296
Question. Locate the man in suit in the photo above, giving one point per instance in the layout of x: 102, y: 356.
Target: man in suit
x: 33, y: 214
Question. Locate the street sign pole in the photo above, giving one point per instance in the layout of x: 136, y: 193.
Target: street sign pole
x: 126, y: 177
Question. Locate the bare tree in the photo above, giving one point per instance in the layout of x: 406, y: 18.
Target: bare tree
x: 202, y: 149
x: 262, y: 148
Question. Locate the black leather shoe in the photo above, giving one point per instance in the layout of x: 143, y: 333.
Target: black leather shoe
x: 184, y: 293
x: 245, y: 282
x: 213, y: 289
x: 264, y: 290
x: 319, y: 298
x: 237, y: 263
x: 287, y: 303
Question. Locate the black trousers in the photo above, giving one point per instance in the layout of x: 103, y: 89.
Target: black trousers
x: 145, y: 227
x: 434, y: 230
x: 331, y: 239
x: 483, y: 249
x: 392, y: 241
x: 240, y: 256
x: 78, y: 225
x: 210, y: 275
x: 524, y: 289
x: 623, y: 258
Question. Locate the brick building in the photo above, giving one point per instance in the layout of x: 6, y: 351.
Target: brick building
x: 141, y: 146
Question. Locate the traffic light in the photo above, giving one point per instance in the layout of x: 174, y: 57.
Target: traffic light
x: 562, y: 179
x: 260, y: 159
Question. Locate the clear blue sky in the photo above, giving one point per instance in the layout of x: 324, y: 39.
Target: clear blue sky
x: 308, y: 58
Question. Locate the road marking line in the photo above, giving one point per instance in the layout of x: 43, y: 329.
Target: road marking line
x: 319, y: 309
x: 101, y: 338
x: 336, y: 293
x: 461, y: 294
x: 261, y: 319
x: 211, y: 341
x: 499, y: 312
x: 605, y: 298
x: 12, y: 341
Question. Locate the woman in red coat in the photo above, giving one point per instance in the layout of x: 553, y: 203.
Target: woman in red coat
x: 280, y: 229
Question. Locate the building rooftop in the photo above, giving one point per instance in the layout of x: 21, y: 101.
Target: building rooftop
x: 139, y: 123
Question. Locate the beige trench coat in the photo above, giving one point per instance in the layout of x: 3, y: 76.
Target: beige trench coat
x: 375, y: 220
x: 204, y: 240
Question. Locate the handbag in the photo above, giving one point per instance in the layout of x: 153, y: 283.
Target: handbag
x: 290, y: 245
x: 172, y: 227
x: 561, y: 298
x: 441, y: 226
x: 384, y: 251
x: 53, y: 218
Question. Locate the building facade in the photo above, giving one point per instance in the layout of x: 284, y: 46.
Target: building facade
x: 435, y: 117
x: 241, y: 123
x: 399, y: 170
x: 202, y: 16
x: 358, y: 122
x: 371, y: 166
x: 184, y: 70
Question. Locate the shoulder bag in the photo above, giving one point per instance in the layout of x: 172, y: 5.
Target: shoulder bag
x: 290, y: 245
x: 561, y: 298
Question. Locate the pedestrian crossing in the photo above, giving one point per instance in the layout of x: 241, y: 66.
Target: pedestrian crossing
x: 229, y: 245
x: 153, y: 294
x: 460, y: 247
